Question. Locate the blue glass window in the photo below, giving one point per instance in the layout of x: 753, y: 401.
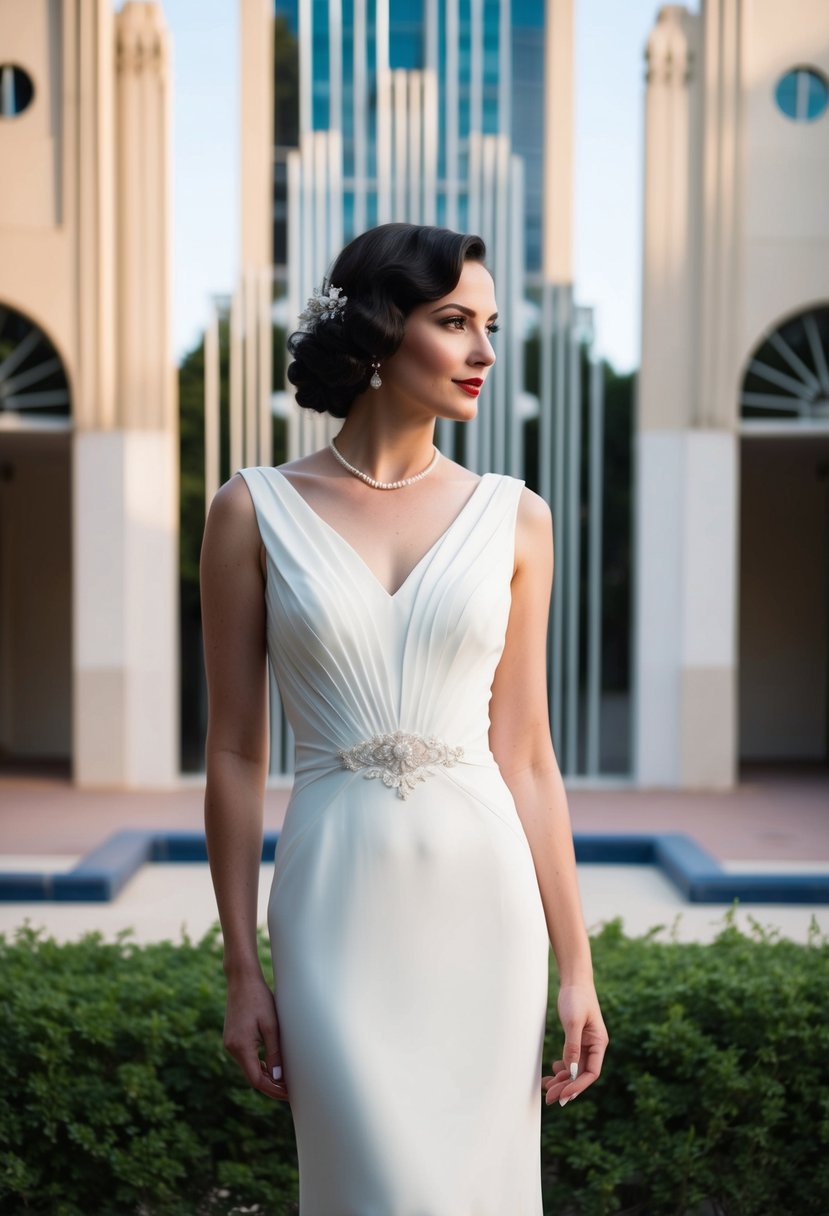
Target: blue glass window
x: 463, y: 212
x: 491, y: 41
x: 406, y: 12
x: 528, y: 116
x: 348, y: 130
x: 528, y: 12
x: 463, y: 113
x: 490, y: 124
x: 406, y: 31
x: 406, y: 47
x: 464, y: 40
x: 802, y: 94
x: 348, y: 214
x: 320, y: 59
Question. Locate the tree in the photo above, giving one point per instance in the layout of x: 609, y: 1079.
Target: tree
x: 192, y: 518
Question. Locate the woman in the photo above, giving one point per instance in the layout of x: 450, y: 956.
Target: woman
x: 426, y: 861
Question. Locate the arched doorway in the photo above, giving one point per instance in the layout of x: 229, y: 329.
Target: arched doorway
x: 784, y: 545
x: 35, y: 548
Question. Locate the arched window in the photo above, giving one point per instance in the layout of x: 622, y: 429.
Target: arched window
x: 788, y: 373
x: 32, y: 378
x: 802, y: 94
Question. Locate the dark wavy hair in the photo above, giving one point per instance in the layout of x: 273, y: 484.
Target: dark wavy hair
x: 385, y: 273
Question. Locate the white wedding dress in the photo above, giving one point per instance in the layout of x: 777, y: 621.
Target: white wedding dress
x: 410, y: 949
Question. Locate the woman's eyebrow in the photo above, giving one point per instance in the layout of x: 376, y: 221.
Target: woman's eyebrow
x: 470, y: 312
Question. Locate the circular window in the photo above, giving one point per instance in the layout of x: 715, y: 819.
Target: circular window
x: 802, y: 94
x: 32, y: 379
x: 16, y: 90
x: 788, y: 374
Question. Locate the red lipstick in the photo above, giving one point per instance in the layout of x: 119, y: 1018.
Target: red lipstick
x: 472, y: 386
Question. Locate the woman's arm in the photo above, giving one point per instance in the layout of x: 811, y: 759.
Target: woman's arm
x: 236, y: 758
x: 521, y: 744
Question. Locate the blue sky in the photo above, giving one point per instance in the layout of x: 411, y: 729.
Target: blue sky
x: 609, y: 101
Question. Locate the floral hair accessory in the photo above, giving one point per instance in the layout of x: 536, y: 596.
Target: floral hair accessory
x: 322, y: 305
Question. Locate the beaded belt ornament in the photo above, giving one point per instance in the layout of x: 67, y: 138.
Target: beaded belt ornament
x: 399, y: 759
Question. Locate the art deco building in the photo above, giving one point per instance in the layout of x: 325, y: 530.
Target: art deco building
x: 732, y: 553
x: 88, y: 404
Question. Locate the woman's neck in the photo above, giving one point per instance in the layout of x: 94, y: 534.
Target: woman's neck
x: 385, y: 449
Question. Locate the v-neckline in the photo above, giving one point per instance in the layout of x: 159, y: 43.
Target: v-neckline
x: 390, y: 595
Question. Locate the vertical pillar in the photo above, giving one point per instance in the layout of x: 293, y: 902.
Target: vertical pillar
x: 125, y: 620
x: 558, y: 142
x: 256, y: 76
x: 686, y: 476
x: 125, y: 458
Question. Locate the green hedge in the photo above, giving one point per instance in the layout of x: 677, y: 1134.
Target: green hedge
x: 714, y: 1099
x: 118, y: 1099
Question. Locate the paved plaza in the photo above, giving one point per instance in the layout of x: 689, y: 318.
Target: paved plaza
x: 774, y: 821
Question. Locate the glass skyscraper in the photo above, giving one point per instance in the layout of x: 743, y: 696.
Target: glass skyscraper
x: 473, y: 67
x: 457, y: 113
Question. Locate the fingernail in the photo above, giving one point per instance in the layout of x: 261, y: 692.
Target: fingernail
x: 574, y: 1071
x: 277, y: 1072
x: 563, y: 1101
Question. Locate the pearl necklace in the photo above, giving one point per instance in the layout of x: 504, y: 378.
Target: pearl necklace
x: 383, y: 485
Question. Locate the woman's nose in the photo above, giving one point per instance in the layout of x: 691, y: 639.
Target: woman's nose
x: 484, y: 354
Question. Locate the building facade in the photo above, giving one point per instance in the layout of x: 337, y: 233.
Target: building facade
x: 88, y: 403
x: 732, y: 531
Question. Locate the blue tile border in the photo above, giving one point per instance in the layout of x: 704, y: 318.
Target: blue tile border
x: 101, y: 874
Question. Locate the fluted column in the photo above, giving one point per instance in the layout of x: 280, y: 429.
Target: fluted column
x: 88, y: 206
x: 558, y: 142
x: 721, y: 174
x: 125, y: 468
x: 686, y: 469
x: 145, y: 383
x: 670, y: 230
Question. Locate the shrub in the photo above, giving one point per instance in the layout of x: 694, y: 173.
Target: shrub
x: 116, y: 1094
x: 118, y: 1099
x: 713, y: 1100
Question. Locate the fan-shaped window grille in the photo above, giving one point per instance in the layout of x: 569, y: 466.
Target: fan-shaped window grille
x: 32, y: 380
x: 788, y: 374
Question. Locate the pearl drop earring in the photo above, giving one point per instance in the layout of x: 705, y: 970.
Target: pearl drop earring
x: 375, y: 380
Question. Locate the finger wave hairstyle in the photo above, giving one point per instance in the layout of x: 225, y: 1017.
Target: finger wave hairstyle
x: 385, y: 273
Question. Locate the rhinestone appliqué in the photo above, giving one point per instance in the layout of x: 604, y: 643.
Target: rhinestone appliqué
x: 400, y: 759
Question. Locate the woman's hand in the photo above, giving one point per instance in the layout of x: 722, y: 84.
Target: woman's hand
x: 251, y: 1023
x: 585, y: 1043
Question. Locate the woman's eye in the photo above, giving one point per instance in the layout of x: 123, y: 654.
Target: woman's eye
x: 460, y: 322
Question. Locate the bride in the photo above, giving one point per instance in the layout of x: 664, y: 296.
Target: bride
x: 426, y: 863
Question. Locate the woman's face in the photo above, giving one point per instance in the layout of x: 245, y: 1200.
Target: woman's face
x: 446, y: 353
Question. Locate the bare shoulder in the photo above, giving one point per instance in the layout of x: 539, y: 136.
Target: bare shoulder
x: 533, y: 532
x: 231, y: 521
x: 232, y: 502
x: 534, y: 513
